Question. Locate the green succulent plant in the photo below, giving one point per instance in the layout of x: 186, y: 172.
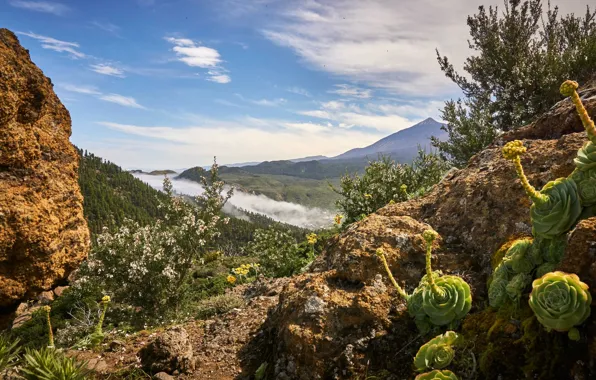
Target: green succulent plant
x: 586, y: 184
x: 517, y: 285
x: 438, y: 352
x: 517, y: 258
x: 497, y: 292
x: 556, y: 207
x: 439, y: 299
x: 9, y: 352
x: 437, y: 374
x: 545, y: 268
x: 560, y: 301
x: 445, y: 298
x: 48, y: 364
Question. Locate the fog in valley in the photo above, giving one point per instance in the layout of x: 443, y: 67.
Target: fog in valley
x: 286, y: 212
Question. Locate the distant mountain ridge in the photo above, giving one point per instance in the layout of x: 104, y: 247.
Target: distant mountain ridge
x: 400, y: 144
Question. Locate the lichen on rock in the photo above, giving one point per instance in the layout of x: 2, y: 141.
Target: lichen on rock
x: 43, y: 234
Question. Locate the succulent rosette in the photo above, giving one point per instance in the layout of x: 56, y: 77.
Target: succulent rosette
x: 518, y: 258
x: 516, y: 286
x: 452, y: 303
x: 556, y: 207
x: 586, y: 185
x: 560, y: 301
x: 555, y: 214
x: 438, y: 352
x: 586, y: 157
x: 437, y: 374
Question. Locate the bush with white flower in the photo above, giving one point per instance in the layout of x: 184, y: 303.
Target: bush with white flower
x: 148, y: 267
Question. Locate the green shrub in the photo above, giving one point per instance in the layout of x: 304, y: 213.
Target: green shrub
x: 9, y: 352
x: 49, y: 364
x: 149, y: 267
x: 217, y: 305
x: 519, y: 56
x: 278, y: 252
x: 383, y: 181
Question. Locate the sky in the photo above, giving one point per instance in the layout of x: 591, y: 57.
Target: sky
x: 172, y: 83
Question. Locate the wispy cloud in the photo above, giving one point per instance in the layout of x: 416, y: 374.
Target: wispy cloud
x: 125, y: 101
x: 263, y: 102
x: 194, y: 54
x: 57, y: 9
x: 351, y: 91
x: 227, y: 103
x: 386, y: 118
x: 107, y: 69
x: 88, y: 90
x: 122, y: 100
x: 106, y: 27
x: 57, y: 45
x: 269, y: 102
x: 381, y: 43
x: 298, y: 91
x: 198, y: 143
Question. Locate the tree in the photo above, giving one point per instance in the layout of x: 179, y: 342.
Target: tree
x: 520, y: 58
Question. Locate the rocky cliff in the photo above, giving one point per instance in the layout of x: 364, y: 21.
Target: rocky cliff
x: 344, y: 320
x: 43, y: 234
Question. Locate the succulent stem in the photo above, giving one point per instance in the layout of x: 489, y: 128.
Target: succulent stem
x: 400, y: 290
x: 569, y: 88
x: 50, y: 333
x: 104, y: 301
x: 429, y: 237
x: 535, y: 195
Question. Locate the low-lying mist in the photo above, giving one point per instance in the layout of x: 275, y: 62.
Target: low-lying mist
x: 280, y: 211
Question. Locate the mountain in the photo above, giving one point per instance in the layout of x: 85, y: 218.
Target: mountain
x: 153, y: 172
x: 402, y: 145
x: 309, y: 158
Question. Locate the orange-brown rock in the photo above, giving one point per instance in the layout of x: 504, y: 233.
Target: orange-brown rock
x: 43, y: 234
x: 580, y: 254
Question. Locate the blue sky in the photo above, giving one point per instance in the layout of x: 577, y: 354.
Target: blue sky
x: 172, y: 83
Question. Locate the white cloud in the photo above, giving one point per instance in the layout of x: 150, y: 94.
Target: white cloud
x: 299, y: 91
x: 106, y: 69
x: 122, y: 100
x: 388, y: 44
x: 263, y: 102
x: 194, y: 54
x: 107, y: 27
x: 88, y: 90
x: 387, y: 117
x: 125, y: 101
x: 269, y: 102
x: 351, y: 91
x: 240, y: 140
x: 41, y: 6
x: 57, y: 45
x: 218, y: 77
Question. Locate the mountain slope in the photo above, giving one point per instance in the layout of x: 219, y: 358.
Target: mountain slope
x: 112, y: 194
x: 402, y: 145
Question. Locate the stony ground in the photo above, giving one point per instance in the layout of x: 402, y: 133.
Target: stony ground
x: 220, y: 344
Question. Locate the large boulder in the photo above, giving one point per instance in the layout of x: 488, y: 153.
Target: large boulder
x: 170, y: 352
x: 43, y: 234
